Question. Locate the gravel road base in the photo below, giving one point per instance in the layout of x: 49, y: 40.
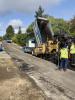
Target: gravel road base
x: 15, y: 85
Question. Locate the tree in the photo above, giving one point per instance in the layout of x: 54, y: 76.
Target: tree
x: 20, y: 39
x: 30, y: 28
x: 9, y: 32
x: 59, y: 25
x: 19, y: 31
x: 72, y: 26
x: 40, y: 12
x: 1, y: 38
x: 30, y: 31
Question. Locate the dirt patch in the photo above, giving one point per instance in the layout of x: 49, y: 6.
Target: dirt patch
x: 19, y: 89
x: 15, y: 85
x: 6, y: 73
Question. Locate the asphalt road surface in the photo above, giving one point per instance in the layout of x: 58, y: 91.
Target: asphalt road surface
x: 57, y: 85
x: 15, y: 85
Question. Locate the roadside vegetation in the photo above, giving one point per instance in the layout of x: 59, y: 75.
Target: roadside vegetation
x: 58, y: 25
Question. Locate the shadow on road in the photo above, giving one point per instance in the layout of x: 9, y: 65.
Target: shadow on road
x: 22, y: 65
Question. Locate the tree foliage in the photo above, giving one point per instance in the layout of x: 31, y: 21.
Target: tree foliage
x: 58, y: 25
x: 19, y: 31
x: 39, y: 12
x: 30, y: 28
x: 72, y: 26
x: 20, y: 39
x: 1, y: 38
x: 9, y: 32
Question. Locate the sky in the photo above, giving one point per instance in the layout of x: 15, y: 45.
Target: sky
x: 21, y: 12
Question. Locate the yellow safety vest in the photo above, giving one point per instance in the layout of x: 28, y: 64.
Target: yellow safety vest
x: 72, y: 49
x: 64, y: 53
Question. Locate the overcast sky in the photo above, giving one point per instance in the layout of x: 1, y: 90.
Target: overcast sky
x: 21, y: 12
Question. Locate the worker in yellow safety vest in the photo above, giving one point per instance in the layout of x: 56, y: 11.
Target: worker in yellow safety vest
x: 72, y: 53
x: 72, y: 49
x: 63, y: 58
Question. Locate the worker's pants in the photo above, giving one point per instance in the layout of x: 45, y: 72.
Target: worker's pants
x: 64, y: 64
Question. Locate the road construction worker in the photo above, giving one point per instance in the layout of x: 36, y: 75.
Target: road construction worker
x: 72, y: 53
x: 63, y: 58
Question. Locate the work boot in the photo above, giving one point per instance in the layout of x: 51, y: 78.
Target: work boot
x: 65, y: 70
x: 60, y: 69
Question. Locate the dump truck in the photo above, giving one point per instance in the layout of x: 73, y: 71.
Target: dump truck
x: 45, y: 42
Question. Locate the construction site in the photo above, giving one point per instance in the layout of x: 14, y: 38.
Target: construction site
x: 37, y: 54
x: 35, y: 74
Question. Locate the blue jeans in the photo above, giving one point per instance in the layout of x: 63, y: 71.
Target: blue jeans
x: 63, y: 64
